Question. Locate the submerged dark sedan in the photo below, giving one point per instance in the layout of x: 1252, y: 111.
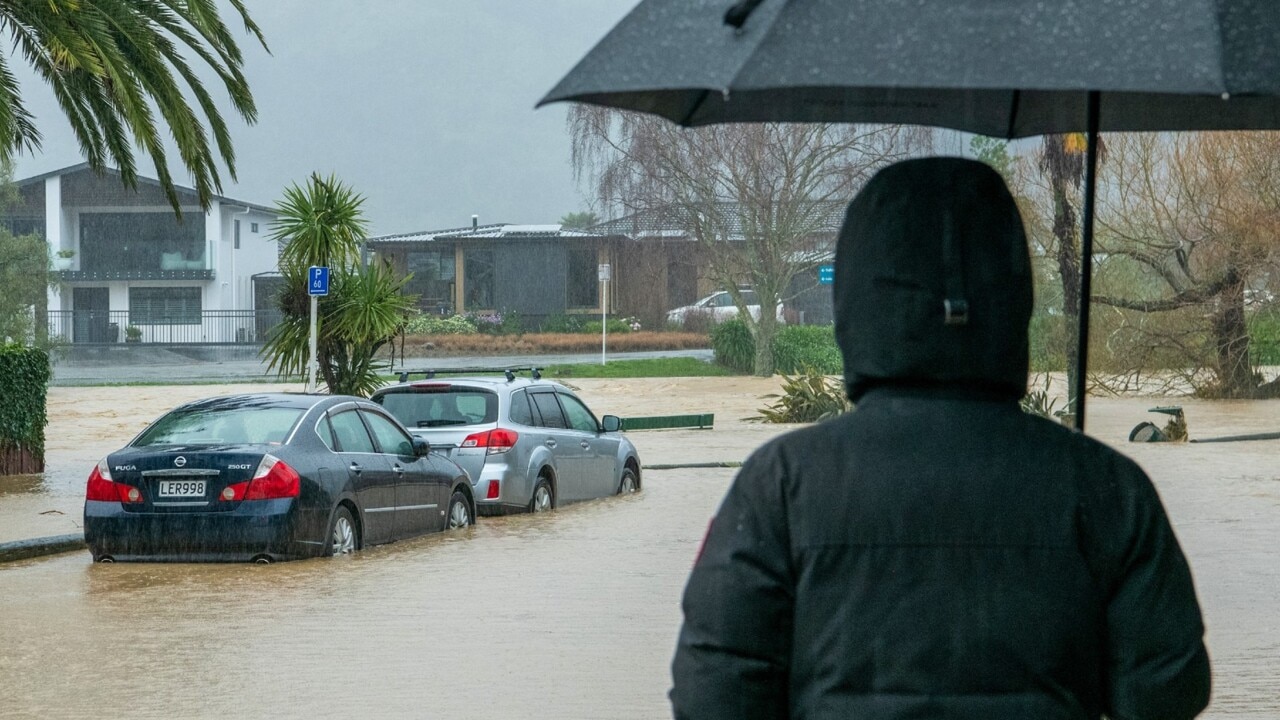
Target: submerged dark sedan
x: 270, y: 477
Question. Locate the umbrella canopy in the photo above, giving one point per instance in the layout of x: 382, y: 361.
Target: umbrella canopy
x: 995, y: 67
x: 1005, y: 69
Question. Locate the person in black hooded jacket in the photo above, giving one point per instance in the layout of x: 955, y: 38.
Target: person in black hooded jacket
x: 938, y: 553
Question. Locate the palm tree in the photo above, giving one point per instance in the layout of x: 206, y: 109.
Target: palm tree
x: 110, y: 62
x: 1062, y: 159
x: 322, y: 224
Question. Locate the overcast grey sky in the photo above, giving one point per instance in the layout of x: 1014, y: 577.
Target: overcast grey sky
x: 424, y: 106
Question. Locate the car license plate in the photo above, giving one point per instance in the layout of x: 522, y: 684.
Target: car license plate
x: 181, y: 488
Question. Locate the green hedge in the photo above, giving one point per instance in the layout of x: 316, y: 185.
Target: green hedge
x: 795, y: 349
x: 800, y: 348
x: 25, y: 373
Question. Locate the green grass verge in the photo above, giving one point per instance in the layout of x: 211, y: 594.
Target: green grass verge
x: 652, y: 367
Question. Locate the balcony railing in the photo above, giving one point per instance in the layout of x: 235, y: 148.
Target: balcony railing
x: 134, y: 274
x: 210, y: 327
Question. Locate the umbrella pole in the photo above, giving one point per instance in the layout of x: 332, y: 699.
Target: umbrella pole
x: 1086, y: 258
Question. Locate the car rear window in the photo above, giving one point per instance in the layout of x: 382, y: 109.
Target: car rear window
x: 222, y: 426
x: 441, y: 408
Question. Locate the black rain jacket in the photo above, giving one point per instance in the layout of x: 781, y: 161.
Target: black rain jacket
x: 938, y: 553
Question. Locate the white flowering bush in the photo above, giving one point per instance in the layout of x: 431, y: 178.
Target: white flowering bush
x: 424, y: 324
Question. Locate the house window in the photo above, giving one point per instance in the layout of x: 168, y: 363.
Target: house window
x: 131, y: 242
x: 164, y: 306
x: 253, y: 227
x: 478, y: 279
x: 583, y: 280
x: 433, y: 276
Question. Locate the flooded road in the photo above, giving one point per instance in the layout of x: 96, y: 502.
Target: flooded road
x: 567, y: 615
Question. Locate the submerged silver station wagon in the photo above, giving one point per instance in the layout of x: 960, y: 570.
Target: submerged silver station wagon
x: 526, y: 443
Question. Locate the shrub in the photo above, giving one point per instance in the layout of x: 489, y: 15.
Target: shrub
x: 435, y: 325
x: 497, y: 323
x: 562, y: 324
x: 1048, y: 335
x: 807, y: 397
x: 1039, y: 402
x: 800, y: 347
x: 1264, y: 338
x: 615, y: 327
x: 696, y: 321
x: 733, y: 345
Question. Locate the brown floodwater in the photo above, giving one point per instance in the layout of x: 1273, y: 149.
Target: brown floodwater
x: 568, y: 615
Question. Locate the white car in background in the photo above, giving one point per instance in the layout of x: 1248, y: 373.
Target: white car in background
x: 719, y: 307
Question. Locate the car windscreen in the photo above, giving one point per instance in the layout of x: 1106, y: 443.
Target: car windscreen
x: 222, y: 426
x: 441, y: 407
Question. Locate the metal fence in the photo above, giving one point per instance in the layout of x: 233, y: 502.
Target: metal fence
x: 211, y: 327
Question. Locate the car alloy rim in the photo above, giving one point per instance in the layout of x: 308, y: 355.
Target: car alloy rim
x: 542, y: 500
x: 344, y: 537
x: 628, y: 484
x: 458, y: 516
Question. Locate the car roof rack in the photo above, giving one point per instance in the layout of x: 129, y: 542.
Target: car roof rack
x: 510, y: 372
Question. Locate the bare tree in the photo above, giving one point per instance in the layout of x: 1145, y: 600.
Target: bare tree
x: 757, y: 197
x: 1197, y: 215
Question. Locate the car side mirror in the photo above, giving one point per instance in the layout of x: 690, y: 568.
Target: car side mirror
x: 421, y: 447
x: 611, y: 423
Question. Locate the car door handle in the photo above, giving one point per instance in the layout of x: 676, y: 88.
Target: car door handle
x: 399, y: 470
x: 355, y: 468
x: 551, y: 443
x: 585, y: 445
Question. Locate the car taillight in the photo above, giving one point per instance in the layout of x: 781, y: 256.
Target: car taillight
x: 102, y: 487
x: 274, y: 479
x: 497, y: 440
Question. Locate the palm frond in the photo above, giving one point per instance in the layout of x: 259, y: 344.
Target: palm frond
x: 109, y: 62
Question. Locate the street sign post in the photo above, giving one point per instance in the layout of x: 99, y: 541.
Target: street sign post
x: 605, y: 273
x: 317, y: 285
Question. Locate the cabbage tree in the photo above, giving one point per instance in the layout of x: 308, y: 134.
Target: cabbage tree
x: 321, y: 223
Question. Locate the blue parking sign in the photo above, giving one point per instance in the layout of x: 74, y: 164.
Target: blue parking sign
x: 317, y: 280
x: 826, y: 274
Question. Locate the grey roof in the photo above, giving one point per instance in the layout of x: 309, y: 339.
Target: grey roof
x: 84, y: 166
x: 672, y: 220
x: 493, y: 231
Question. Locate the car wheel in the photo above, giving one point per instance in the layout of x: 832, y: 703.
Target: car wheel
x: 459, y: 512
x: 544, y: 498
x: 343, y: 536
x: 630, y: 483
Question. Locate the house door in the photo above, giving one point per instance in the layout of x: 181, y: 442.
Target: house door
x: 89, y: 315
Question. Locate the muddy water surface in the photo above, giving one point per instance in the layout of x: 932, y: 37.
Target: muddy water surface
x: 571, y: 615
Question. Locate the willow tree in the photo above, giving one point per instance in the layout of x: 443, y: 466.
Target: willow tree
x: 321, y: 223
x: 756, y: 197
x: 1195, y: 218
x: 113, y: 66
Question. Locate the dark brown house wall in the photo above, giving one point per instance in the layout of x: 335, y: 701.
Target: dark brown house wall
x: 640, y: 279
x: 652, y: 277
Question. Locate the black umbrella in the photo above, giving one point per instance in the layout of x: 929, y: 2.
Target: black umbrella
x: 1006, y: 69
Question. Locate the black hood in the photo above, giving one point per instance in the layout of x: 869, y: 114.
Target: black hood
x: 933, y: 281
